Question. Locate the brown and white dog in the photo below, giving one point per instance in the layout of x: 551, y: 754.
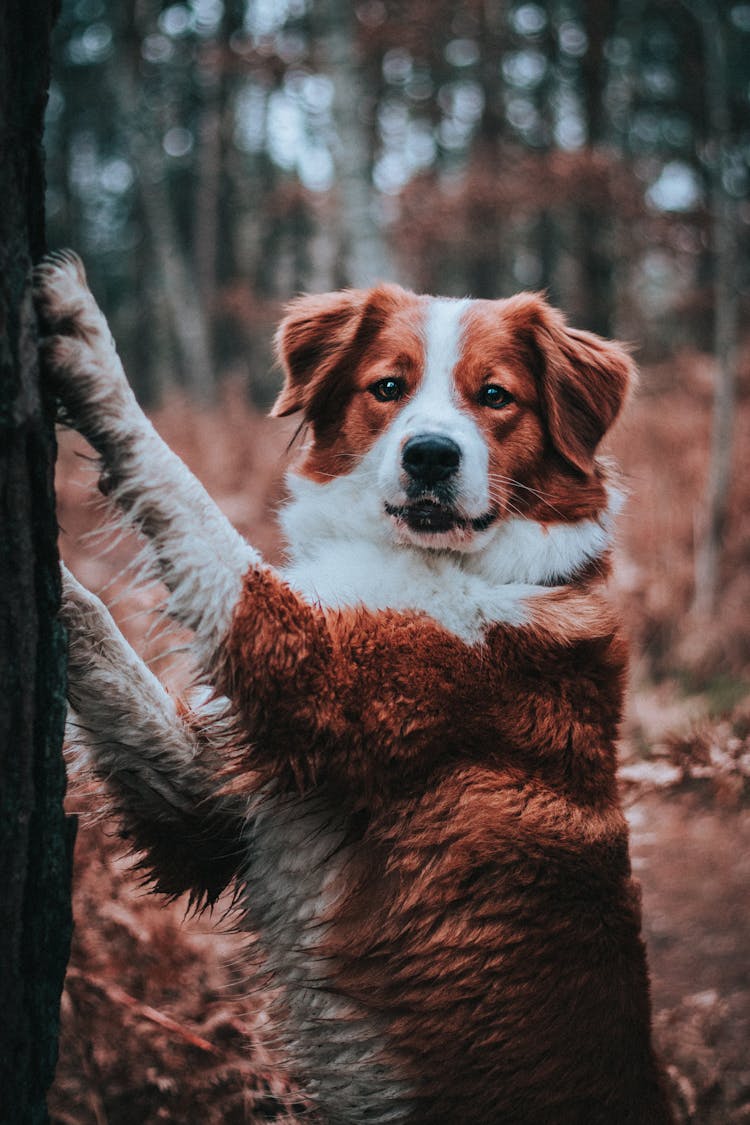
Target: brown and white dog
x: 407, y: 763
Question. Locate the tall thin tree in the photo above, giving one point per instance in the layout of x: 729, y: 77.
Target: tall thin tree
x: 35, y: 838
x: 724, y: 237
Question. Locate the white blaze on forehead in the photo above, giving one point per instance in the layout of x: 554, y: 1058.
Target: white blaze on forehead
x: 435, y: 400
x: 436, y: 408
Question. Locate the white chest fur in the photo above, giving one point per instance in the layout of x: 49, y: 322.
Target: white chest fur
x: 342, y: 553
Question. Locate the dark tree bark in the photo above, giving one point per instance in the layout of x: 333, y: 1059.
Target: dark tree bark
x: 724, y: 238
x: 35, y: 838
x: 594, y: 218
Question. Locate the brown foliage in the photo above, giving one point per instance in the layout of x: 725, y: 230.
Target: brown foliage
x: 157, y: 1024
x: 446, y: 218
x: 662, y: 445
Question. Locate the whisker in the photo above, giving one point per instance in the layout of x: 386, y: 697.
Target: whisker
x: 544, y: 496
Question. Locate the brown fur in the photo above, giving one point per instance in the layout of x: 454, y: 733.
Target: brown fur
x: 495, y: 925
x: 569, y: 387
x: 335, y: 346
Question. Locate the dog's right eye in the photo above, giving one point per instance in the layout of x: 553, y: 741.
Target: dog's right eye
x: 387, y: 390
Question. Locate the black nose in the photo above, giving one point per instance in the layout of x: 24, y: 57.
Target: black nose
x: 429, y: 458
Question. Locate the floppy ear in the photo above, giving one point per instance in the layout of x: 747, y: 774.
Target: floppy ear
x: 313, y: 335
x: 584, y: 382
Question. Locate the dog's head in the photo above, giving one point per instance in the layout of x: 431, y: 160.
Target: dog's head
x: 451, y: 415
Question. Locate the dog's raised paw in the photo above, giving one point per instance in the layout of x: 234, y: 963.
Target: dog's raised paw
x: 78, y: 353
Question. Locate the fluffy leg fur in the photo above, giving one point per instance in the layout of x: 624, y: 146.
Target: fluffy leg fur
x: 156, y: 758
x: 199, y: 555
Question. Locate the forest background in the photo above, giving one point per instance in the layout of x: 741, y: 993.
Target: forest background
x: 210, y: 160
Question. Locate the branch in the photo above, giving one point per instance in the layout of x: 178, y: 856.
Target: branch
x: 119, y: 996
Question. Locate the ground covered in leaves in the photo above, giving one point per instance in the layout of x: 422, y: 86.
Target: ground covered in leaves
x: 689, y: 812
x: 158, y: 1021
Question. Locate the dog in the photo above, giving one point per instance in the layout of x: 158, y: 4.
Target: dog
x: 405, y: 756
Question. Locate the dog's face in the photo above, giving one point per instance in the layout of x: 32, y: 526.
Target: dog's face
x: 455, y: 414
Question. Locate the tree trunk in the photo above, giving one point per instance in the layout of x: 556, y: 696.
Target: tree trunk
x: 595, y: 219
x: 364, y: 257
x: 35, y: 838
x: 183, y: 304
x: 208, y: 183
x: 723, y: 222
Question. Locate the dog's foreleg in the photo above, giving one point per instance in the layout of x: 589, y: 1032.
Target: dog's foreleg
x: 160, y: 769
x: 199, y: 555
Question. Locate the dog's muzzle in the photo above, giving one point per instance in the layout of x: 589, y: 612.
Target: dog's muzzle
x: 430, y: 463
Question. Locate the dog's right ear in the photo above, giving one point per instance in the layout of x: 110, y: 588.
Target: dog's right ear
x: 584, y: 380
x: 311, y: 338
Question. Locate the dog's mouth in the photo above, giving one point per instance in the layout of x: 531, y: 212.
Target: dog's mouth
x: 430, y: 517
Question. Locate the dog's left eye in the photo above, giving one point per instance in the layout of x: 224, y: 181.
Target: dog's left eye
x: 387, y: 390
x: 496, y: 397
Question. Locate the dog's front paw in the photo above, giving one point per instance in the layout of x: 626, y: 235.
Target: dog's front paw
x: 78, y: 352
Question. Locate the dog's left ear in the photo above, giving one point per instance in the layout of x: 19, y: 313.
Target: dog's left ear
x: 320, y: 341
x: 310, y: 339
x: 584, y: 381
